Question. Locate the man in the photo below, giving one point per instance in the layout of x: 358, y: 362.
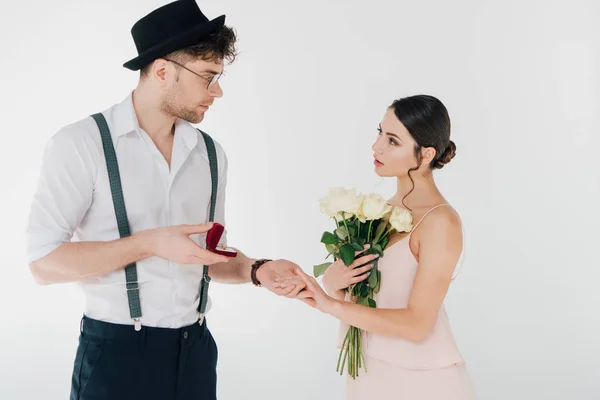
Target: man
x: 135, y: 186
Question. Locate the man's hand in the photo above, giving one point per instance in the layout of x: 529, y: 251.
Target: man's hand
x: 271, y: 272
x: 174, y: 243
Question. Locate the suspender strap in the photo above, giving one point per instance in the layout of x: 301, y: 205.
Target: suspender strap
x: 214, y: 174
x: 133, y: 291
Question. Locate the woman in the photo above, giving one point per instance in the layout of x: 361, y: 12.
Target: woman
x: 409, y: 349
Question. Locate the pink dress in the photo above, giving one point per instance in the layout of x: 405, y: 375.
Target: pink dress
x: 400, y: 369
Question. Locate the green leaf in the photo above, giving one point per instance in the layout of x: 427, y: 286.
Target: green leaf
x: 361, y: 241
x: 381, y: 228
x: 372, y: 279
x: 378, y: 286
x: 353, y: 230
x: 357, y: 247
x: 347, y: 254
x: 330, y: 248
x: 377, y: 249
x: 372, y: 303
x: 320, y: 269
x: 329, y: 238
x: 364, y: 289
x: 364, y: 301
x: 384, y: 242
x: 341, y: 232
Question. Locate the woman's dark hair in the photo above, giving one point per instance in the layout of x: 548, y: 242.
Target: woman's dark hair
x: 427, y: 120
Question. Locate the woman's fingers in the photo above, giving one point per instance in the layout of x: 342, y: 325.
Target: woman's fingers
x: 359, y: 278
x: 364, y: 260
x: 362, y: 270
x: 305, y: 294
x: 310, y: 302
x: 296, y: 290
x: 365, y: 248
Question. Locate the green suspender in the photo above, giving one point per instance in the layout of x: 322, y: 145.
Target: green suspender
x: 214, y: 174
x: 133, y: 290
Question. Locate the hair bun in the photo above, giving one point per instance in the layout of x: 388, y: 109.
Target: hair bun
x: 446, y: 156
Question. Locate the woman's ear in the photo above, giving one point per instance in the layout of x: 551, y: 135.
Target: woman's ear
x: 427, y: 155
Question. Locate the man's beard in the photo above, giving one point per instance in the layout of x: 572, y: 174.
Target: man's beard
x: 171, y: 107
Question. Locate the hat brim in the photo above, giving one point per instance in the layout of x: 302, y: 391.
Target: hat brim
x: 185, y: 39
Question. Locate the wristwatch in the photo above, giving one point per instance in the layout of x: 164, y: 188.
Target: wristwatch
x: 255, y: 267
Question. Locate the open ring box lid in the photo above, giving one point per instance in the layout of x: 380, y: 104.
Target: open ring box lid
x: 212, y: 241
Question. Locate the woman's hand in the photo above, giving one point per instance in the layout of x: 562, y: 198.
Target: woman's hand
x: 339, y: 276
x: 313, y: 295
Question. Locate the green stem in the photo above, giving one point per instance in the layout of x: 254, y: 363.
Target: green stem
x: 351, y: 355
x: 361, y: 354
x: 359, y: 348
x: 356, y: 346
x: 346, y: 225
x: 351, y: 362
x: 369, y: 234
x: 384, y: 235
x: 342, y: 351
x: 345, y: 348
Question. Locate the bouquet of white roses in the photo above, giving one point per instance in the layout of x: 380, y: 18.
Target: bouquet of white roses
x: 359, y: 220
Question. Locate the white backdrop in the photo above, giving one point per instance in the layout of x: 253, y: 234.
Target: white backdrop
x: 301, y: 106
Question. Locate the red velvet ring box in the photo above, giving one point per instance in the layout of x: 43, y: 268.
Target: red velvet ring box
x: 212, y: 240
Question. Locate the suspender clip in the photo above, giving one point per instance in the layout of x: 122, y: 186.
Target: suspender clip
x: 137, y: 324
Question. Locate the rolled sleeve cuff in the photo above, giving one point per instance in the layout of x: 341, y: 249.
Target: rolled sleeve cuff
x: 41, y: 244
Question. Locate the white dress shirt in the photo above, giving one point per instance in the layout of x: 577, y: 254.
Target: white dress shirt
x: 73, y: 202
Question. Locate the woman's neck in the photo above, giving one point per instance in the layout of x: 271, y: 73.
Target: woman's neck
x: 424, y: 193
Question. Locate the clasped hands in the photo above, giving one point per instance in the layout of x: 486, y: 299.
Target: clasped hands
x: 287, y: 279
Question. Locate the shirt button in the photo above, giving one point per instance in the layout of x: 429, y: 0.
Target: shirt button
x: 185, y: 335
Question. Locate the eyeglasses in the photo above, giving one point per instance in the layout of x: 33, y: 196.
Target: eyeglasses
x: 211, y: 81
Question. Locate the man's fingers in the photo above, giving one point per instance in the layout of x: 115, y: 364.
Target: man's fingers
x: 208, y: 258
x: 289, y: 282
x: 196, y: 228
x: 285, y: 291
x: 286, y: 278
x: 296, y: 291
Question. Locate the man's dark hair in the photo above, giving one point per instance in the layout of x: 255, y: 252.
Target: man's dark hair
x: 218, y: 46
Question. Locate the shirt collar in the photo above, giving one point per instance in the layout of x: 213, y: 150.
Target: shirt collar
x: 124, y: 120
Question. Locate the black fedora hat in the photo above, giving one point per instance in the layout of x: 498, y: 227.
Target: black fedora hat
x: 171, y: 27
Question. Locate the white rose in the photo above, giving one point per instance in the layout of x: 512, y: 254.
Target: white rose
x: 340, y: 200
x: 327, y: 205
x: 374, y: 206
x: 401, y: 219
x: 349, y: 202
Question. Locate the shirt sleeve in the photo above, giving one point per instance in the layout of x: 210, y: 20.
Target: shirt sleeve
x: 63, y: 194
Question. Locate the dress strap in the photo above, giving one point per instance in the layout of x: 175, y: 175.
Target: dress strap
x: 462, y: 253
x: 425, y: 215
